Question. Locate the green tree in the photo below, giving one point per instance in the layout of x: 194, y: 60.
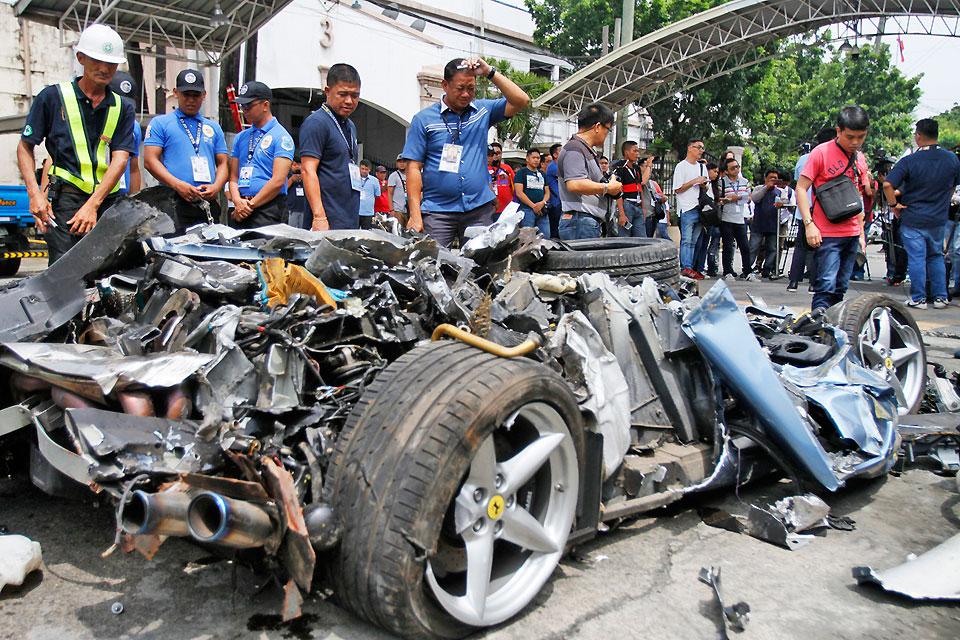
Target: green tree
x: 521, y: 128
x: 949, y: 122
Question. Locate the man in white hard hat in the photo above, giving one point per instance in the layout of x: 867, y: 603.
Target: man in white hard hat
x: 88, y: 131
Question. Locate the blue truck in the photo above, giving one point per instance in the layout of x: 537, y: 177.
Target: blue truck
x: 15, y: 223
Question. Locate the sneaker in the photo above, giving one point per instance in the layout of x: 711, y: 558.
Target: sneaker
x: 696, y: 275
x: 810, y: 290
x: 752, y: 277
x: 712, y: 274
x: 940, y: 303
x: 730, y: 277
x: 793, y: 286
x: 916, y: 304
x: 685, y: 272
x: 894, y: 282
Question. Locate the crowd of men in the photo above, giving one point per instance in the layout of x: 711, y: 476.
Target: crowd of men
x: 448, y: 177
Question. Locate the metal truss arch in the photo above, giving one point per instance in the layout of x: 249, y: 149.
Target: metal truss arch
x: 726, y: 38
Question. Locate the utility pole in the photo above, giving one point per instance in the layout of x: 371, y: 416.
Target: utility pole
x: 626, y: 37
x: 605, y: 40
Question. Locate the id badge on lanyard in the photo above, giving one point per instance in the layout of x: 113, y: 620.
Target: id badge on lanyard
x: 355, y: 176
x: 351, y: 165
x: 450, y: 158
x: 245, y: 174
x: 201, y: 169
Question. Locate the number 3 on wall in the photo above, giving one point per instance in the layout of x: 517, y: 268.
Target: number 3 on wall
x: 326, y: 32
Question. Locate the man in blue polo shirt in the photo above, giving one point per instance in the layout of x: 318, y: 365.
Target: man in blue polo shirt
x: 448, y: 186
x: 553, y: 204
x: 260, y: 162
x: 329, y: 153
x: 925, y: 179
x: 188, y: 153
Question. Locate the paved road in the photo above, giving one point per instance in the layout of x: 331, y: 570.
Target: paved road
x: 639, y: 581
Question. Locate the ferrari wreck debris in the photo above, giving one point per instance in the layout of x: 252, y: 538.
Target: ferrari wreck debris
x: 935, y: 575
x: 441, y: 424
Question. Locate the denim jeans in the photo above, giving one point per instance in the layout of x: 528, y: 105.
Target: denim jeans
x: 531, y: 219
x: 705, y: 253
x: 662, y: 231
x: 690, y: 228
x: 835, y: 259
x: 634, y: 214
x: 925, y: 260
x: 951, y: 235
x: 730, y: 231
x: 449, y: 226
x: 578, y: 227
x: 803, y: 258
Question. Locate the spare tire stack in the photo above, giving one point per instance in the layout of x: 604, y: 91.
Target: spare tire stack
x: 632, y: 259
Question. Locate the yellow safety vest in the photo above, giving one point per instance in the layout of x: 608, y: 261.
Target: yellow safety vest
x: 92, y: 167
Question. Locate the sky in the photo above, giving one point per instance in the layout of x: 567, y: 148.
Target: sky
x: 936, y: 57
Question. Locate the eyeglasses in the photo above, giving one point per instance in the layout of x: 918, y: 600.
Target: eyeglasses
x: 733, y: 166
x: 250, y: 105
x: 698, y: 146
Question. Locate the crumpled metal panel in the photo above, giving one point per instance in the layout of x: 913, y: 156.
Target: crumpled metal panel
x: 721, y: 332
x: 33, y: 307
x: 127, y: 445
x: 588, y: 363
x: 107, y: 367
x: 935, y: 575
x: 485, y: 240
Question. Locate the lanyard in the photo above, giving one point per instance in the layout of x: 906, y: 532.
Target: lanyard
x: 253, y: 145
x: 455, y: 138
x: 363, y: 183
x: 402, y: 180
x: 195, y: 143
x: 340, y: 129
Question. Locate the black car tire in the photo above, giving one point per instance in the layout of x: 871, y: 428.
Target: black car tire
x: 403, y: 456
x: 630, y: 258
x: 853, y: 315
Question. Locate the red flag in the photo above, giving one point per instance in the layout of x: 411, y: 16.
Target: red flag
x: 900, y: 43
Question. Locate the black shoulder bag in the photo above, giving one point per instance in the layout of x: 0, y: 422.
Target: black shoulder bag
x: 708, y: 207
x: 839, y: 197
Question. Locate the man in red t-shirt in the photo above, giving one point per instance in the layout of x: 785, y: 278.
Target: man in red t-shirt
x: 501, y: 176
x: 835, y: 244
x: 382, y: 203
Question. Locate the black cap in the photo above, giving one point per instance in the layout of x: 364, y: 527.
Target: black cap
x: 253, y: 90
x: 123, y: 84
x: 190, y: 80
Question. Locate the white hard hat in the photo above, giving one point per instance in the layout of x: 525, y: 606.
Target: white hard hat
x: 102, y: 43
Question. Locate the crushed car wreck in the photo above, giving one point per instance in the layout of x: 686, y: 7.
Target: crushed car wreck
x: 441, y: 425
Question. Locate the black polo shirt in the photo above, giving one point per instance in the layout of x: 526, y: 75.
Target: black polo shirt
x: 48, y: 121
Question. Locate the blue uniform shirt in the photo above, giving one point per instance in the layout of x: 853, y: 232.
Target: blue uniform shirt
x: 257, y: 148
x: 552, y: 182
x: 437, y: 125
x: 369, y: 190
x: 333, y: 142
x: 927, y: 179
x: 47, y: 122
x: 168, y: 133
x: 137, y: 139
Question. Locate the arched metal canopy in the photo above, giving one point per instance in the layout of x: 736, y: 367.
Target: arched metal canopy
x: 178, y: 26
x: 724, y: 39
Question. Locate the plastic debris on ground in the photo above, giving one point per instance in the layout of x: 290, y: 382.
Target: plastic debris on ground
x: 19, y: 556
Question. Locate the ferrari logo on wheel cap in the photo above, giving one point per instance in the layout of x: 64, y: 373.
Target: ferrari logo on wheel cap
x: 495, y: 507
x: 888, y: 363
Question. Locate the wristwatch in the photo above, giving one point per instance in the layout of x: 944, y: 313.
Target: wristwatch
x: 808, y: 222
x: 491, y: 74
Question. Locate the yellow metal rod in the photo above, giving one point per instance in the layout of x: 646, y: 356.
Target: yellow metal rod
x: 521, y: 349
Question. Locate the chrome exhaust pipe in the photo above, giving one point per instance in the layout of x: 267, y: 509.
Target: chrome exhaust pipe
x: 217, y: 519
x: 163, y: 513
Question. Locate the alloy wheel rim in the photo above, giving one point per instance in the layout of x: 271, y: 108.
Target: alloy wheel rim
x: 891, y: 347
x: 512, y: 515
